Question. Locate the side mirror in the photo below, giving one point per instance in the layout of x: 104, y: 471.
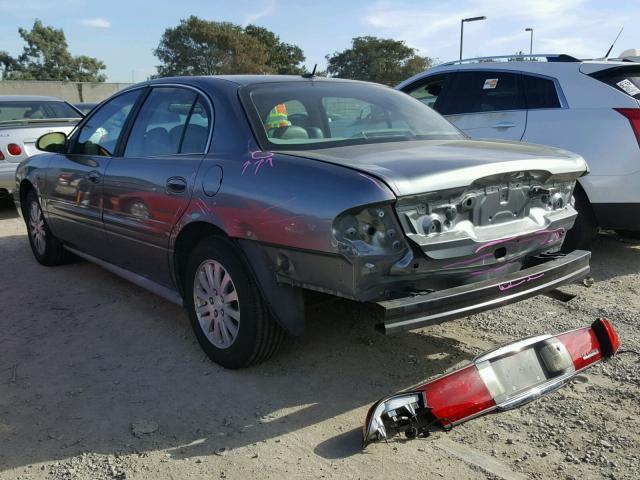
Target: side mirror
x: 54, y: 142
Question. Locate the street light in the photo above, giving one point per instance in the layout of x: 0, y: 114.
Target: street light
x: 472, y: 19
x: 531, y: 44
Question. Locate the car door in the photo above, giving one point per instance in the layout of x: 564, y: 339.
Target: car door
x: 486, y: 104
x: 148, y: 187
x: 74, y: 181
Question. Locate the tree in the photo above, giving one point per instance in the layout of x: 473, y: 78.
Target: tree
x: 282, y: 58
x: 202, y: 47
x: 8, y: 64
x: 381, y: 60
x: 46, y: 57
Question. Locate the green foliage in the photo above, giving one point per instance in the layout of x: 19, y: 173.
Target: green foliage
x: 379, y: 60
x: 46, y: 57
x: 202, y: 47
x: 282, y: 58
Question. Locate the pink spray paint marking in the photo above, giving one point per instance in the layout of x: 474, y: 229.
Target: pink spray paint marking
x: 258, y: 159
x: 553, y: 234
x: 515, y: 283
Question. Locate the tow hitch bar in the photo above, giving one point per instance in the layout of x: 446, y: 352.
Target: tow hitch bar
x: 498, y: 380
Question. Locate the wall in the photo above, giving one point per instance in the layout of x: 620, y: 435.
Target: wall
x: 73, y: 92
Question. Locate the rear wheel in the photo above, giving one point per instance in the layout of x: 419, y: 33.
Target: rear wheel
x: 228, y: 314
x: 47, y: 249
x: 583, y: 233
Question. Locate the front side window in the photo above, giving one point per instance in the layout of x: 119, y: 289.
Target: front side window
x: 428, y: 90
x: 486, y: 91
x: 160, y: 124
x: 100, y: 134
x: 540, y: 92
x: 300, y: 115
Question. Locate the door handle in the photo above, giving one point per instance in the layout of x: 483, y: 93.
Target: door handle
x: 94, y: 177
x: 503, y: 125
x: 176, y: 185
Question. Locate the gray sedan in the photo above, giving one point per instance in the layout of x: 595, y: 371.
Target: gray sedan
x: 232, y: 195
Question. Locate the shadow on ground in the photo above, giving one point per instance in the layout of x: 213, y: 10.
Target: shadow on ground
x: 614, y: 256
x: 7, y: 210
x: 85, y: 355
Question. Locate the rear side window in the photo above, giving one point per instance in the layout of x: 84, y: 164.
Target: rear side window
x: 485, y: 91
x: 626, y: 79
x: 540, y: 92
x: 196, y: 132
x: 169, y: 119
x: 428, y: 90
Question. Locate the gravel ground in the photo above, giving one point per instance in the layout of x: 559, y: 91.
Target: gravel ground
x: 102, y: 380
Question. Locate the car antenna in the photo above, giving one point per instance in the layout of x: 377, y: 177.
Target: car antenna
x: 614, y: 42
x: 312, y: 74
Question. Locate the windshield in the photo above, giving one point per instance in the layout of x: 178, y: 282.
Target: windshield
x: 35, y: 110
x: 306, y: 115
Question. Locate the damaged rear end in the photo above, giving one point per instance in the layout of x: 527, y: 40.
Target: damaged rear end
x: 475, y: 225
x: 499, y: 380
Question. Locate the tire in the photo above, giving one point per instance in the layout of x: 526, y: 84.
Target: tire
x: 47, y: 249
x: 229, y: 317
x: 583, y: 233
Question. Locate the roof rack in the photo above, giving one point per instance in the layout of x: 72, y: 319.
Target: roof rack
x: 549, y: 57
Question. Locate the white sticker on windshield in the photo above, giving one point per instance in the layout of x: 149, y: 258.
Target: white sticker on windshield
x: 490, y: 83
x: 628, y: 86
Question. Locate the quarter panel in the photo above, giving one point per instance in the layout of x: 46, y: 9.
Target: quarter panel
x: 280, y: 199
x: 603, y: 137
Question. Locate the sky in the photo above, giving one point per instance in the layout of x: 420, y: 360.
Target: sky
x: 123, y: 33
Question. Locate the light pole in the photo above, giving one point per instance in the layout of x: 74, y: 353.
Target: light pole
x: 531, y: 43
x: 472, y: 19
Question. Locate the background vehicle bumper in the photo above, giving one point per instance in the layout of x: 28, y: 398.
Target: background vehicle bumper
x: 8, y: 175
x: 417, y: 311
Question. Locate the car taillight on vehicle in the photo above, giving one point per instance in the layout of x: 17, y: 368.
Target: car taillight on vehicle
x: 633, y: 115
x: 1, y: 155
x: 14, y: 149
x: 501, y: 379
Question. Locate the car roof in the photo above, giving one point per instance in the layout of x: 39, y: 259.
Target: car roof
x: 524, y: 63
x: 253, y: 79
x: 29, y: 98
x: 554, y: 65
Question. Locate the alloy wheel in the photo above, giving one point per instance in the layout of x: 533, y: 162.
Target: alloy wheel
x: 215, y: 300
x: 36, y: 228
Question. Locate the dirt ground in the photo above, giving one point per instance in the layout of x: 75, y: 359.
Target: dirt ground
x: 102, y: 380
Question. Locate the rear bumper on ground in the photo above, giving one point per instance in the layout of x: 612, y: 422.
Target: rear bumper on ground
x: 548, y: 273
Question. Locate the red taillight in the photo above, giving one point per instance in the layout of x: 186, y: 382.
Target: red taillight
x: 14, y: 149
x: 607, y: 336
x: 458, y: 396
x: 1, y: 155
x: 633, y: 115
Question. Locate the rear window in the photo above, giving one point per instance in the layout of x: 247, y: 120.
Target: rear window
x: 35, y: 110
x: 626, y: 79
x: 304, y: 115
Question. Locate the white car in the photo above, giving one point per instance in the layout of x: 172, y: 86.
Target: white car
x: 591, y: 107
x: 23, y: 119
